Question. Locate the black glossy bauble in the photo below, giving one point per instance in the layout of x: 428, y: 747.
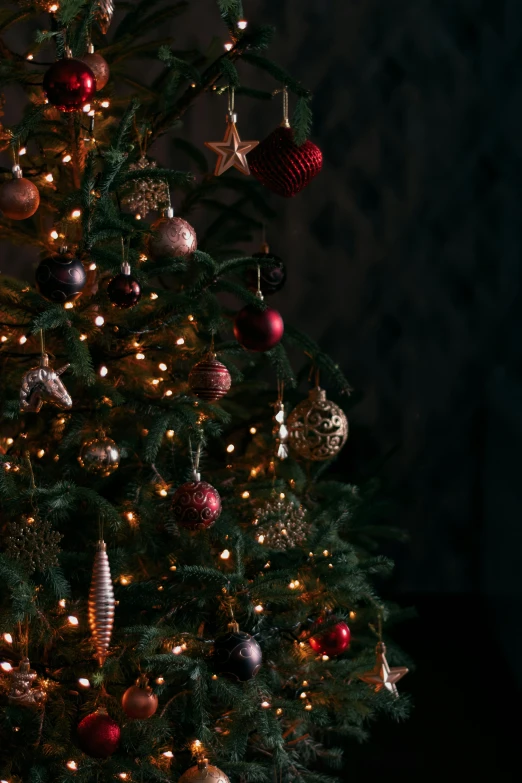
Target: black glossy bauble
x: 236, y: 655
x: 273, y: 275
x: 124, y: 290
x: 60, y: 278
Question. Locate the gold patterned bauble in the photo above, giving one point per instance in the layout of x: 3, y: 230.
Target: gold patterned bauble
x: 204, y: 772
x: 383, y: 676
x: 318, y: 427
x: 104, y: 14
x: 173, y: 237
x: 101, y: 603
x: 100, y: 456
x: 147, y: 194
x: 98, y: 65
x: 21, y: 691
x: 280, y: 524
x: 19, y: 197
x: 34, y: 543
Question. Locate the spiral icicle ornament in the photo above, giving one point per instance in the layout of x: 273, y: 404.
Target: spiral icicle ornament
x: 101, y: 603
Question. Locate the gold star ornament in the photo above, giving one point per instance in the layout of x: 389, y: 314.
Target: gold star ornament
x: 231, y: 151
x: 383, y: 675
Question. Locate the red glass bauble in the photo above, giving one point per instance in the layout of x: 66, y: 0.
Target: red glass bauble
x: 124, y: 290
x: 209, y: 379
x: 258, y: 330
x: 139, y: 702
x: 282, y: 166
x: 69, y: 84
x: 98, y: 735
x: 99, y: 66
x: 196, y: 505
x: 19, y: 198
x: 332, y: 642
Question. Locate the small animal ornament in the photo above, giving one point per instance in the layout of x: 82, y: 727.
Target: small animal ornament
x: 43, y: 384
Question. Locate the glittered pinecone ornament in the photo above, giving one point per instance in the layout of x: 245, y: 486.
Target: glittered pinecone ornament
x: 100, y: 456
x: 98, y: 734
x: 148, y: 194
x: 124, y: 290
x: 104, y: 13
x: 318, y: 427
x: 19, y: 197
x: 60, y: 278
x: 139, y: 702
x: 282, y: 166
x: 101, y: 603
x: 333, y: 641
x: 33, y: 542
x: 98, y: 65
x: 209, y: 379
x: 271, y: 277
x: 196, y: 504
x: 22, y: 693
x: 281, y: 524
x: 69, y: 84
x: 203, y: 772
x: 173, y: 237
x: 236, y: 655
x: 43, y: 384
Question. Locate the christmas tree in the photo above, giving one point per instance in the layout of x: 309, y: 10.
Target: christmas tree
x: 186, y: 586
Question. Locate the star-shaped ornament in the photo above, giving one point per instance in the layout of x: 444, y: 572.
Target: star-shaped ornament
x: 231, y: 151
x: 383, y: 675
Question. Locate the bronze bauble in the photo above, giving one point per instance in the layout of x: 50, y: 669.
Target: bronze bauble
x: 100, y: 456
x: 19, y: 198
x: 99, y: 66
x: 173, y: 237
x: 139, y: 702
x: 203, y: 772
x: 318, y: 427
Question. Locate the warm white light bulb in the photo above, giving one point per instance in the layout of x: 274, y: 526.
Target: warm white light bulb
x: 230, y: 448
x: 103, y: 371
x: 225, y: 554
x: 8, y: 638
x: 49, y: 177
x: 99, y: 320
x: 162, y: 366
x: 73, y: 620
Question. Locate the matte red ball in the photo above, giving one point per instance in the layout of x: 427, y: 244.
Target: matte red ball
x: 282, y: 166
x: 332, y: 642
x: 69, y: 84
x: 124, y: 290
x: 258, y: 330
x: 196, y: 505
x: 98, y: 735
x: 139, y: 703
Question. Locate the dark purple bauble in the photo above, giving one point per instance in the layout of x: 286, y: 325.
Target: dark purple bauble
x: 237, y: 655
x: 60, y: 278
x: 273, y: 275
x: 69, y: 84
x: 258, y: 330
x: 196, y: 505
x: 124, y: 290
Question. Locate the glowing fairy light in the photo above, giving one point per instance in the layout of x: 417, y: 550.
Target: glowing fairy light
x: 86, y: 108
x: 66, y: 159
x: 54, y: 234
x: 253, y: 430
x: 73, y: 620
x: 40, y: 453
x: 168, y: 754
x: 160, y: 680
x: 260, y: 539
x: 5, y: 666
x: 169, y: 393
x: 68, y: 306
x: 228, y: 46
x: 162, y: 366
x: 230, y: 448
x: 99, y: 320
x: 75, y: 214
x: 153, y: 295
x: 22, y: 340
x: 245, y: 494
x: 83, y: 682
x: 265, y: 704
x: 30, y: 57
x: 103, y: 371
x: 62, y: 602
x: 22, y: 151
x: 140, y: 356
x: 225, y: 554
x: 72, y: 765
x: 105, y: 104
x: 92, y: 267
x: 49, y: 177
x: 7, y: 638
x: 83, y: 337
x: 242, y: 24
x: 170, y: 433
x: 259, y: 608
x: 177, y: 650
x: 180, y: 341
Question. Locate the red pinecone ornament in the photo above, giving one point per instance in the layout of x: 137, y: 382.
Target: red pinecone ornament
x: 209, y: 379
x: 196, y: 505
x: 283, y: 167
x: 98, y: 735
x: 333, y: 641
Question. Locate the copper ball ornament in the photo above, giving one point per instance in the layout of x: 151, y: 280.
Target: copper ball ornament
x: 209, y: 379
x: 318, y: 428
x: 98, y: 735
x: 100, y: 456
x: 258, y: 330
x: 196, y: 504
x: 173, y: 237
x: 236, y: 655
x: 98, y: 65
x: 203, y: 772
x: 69, y: 84
x: 60, y: 278
x: 333, y: 641
x: 282, y: 166
x: 124, y: 290
x: 19, y: 197
x: 139, y: 702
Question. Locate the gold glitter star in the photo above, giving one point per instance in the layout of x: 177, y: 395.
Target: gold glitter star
x: 231, y: 151
x: 382, y: 675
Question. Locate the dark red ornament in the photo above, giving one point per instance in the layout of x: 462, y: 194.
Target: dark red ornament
x: 69, y: 84
x: 333, y: 641
x: 196, y: 505
x: 139, y: 702
x: 124, y: 290
x: 258, y: 330
x: 282, y: 166
x: 209, y: 379
x: 272, y: 276
x: 60, y: 278
x: 98, y: 735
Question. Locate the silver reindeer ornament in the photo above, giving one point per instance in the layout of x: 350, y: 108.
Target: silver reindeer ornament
x: 43, y: 384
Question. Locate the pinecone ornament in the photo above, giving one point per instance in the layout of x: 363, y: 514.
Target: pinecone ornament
x: 280, y: 524
x: 34, y: 543
x: 147, y: 194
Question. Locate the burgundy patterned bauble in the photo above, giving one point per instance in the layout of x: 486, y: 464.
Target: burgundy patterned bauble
x: 98, y: 735
x: 60, y: 278
x: 258, y: 330
x: 173, y: 237
x: 98, y: 65
x: 282, y: 166
x: 272, y: 276
x: 19, y: 197
x: 333, y: 641
x: 69, y: 84
x: 236, y: 655
x: 124, y: 290
x: 196, y: 504
x: 209, y: 379
x: 139, y: 702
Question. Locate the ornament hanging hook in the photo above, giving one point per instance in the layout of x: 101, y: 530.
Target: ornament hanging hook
x: 286, y: 122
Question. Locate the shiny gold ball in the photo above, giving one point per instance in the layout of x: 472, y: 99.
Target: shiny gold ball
x: 99, y: 66
x: 100, y: 456
x: 173, y: 237
x: 318, y: 428
x: 204, y: 773
x: 19, y: 198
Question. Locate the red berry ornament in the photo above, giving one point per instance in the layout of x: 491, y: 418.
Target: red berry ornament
x: 98, y: 735
x: 209, y: 379
x: 258, y: 330
x: 332, y: 642
x: 196, y: 505
x: 69, y: 84
x: 282, y: 166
